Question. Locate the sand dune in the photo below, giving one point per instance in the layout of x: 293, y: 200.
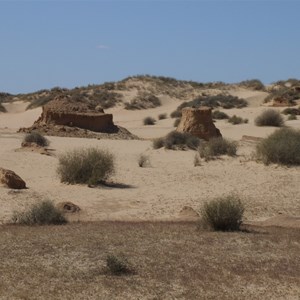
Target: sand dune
x: 160, y: 191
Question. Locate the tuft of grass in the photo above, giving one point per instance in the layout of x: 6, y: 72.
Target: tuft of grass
x: 143, y: 100
x: 143, y: 161
x: 282, y: 147
x: 216, y: 147
x: 254, y: 84
x: 89, y: 166
x: 162, y: 116
x: 219, y: 115
x: 223, y: 214
x: 118, y: 265
x: 149, y: 121
x: 177, y: 141
x: 291, y: 111
x: 237, y: 120
x: 176, y: 114
x: 2, y: 108
x: 269, y: 117
x: 37, y: 138
x: 43, y: 213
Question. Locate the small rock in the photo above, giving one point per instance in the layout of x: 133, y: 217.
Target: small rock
x: 11, y: 179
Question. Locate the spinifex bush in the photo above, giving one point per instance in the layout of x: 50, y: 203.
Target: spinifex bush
x: 282, y: 147
x: 90, y: 166
x: 43, y: 213
x: 223, y: 214
x: 237, y: 120
x: 37, y: 138
x: 219, y: 115
x: 269, y: 117
x: 216, y: 147
x: 162, y: 116
x: 149, y: 121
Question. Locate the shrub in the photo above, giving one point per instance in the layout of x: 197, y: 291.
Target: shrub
x: 282, y: 147
x: 2, y: 108
x: 292, y: 117
x: 118, y: 265
x: 223, y: 214
x: 269, y: 117
x: 42, y: 213
x: 143, y: 100
x: 89, y: 166
x: 219, y: 115
x: 158, y: 143
x: 149, y: 121
x: 291, y: 111
x: 143, y: 161
x: 37, y: 138
x: 237, y: 120
x: 176, y: 114
x: 162, y: 116
x: 254, y: 84
x: 216, y: 147
x: 176, y: 122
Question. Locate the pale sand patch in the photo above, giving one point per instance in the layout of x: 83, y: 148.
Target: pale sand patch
x: 156, y: 193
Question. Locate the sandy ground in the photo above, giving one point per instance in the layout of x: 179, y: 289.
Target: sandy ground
x: 158, y: 192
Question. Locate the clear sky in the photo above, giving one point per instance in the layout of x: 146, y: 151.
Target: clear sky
x: 74, y: 43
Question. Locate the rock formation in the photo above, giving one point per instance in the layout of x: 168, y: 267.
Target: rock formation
x: 63, y: 112
x: 11, y: 179
x: 198, y: 122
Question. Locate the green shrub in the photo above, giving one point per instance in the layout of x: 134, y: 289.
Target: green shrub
x: 118, y: 265
x: 237, y: 120
x: 219, y: 115
x: 43, y: 213
x: 90, y: 166
x: 269, y: 117
x: 282, y: 147
x: 162, y: 116
x: 176, y: 122
x: 37, y: 138
x: 149, y: 121
x: 216, y: 147
x: 223, y: 214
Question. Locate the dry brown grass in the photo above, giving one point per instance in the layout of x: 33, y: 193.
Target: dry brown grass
x: 171, y: 260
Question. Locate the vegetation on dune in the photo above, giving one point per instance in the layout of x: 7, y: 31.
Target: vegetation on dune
x: 42, y: 213
x: 282, y: 147
x: 2, y: 108
x: 269, y: 117
x: 177, y: 141
x: 162, y: 116
x: 89, y: 166
x: 143, y: 100
x: 291, y: 111
x: 219, y: 115
x: 237, y: 120
x: 254, y: 84
x: 216, y: 147
x: 37, y: 138
x: 149, y: 121
x: 223, y: 214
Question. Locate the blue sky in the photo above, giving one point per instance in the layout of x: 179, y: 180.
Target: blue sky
x: 74, y: 43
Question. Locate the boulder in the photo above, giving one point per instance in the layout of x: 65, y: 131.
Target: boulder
x: 11, y: 179
x: 198, y: 122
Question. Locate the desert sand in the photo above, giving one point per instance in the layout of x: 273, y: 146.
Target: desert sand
x: 157, y: 192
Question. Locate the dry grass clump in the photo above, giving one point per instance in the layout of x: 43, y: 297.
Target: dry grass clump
x: 269, y: 117
x: 176, y: 114
x: 89, y: 166
x: 177, y: 141
x: 43, y: 213
x: 149, y: 121
x: 2, y: 108
x: 254, y: 84
x: 219, y: 115
x: 118, y: 265
x: 282, y: 147
x: 237, y: 120
x: 37, y: 138
x: 216, y: 147
x: 291, y: 111
x: 162, y: 116
x: 292, y: 117
x: 176, y: 122
x: 223, y: 214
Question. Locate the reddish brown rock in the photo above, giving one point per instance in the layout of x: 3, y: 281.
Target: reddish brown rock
x: 11, y: 179
x: 62, y: 112
x: 198, y: 122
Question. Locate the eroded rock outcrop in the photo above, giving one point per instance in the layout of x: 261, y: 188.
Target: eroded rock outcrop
x: 11, y: 179
x: 198, y: 122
